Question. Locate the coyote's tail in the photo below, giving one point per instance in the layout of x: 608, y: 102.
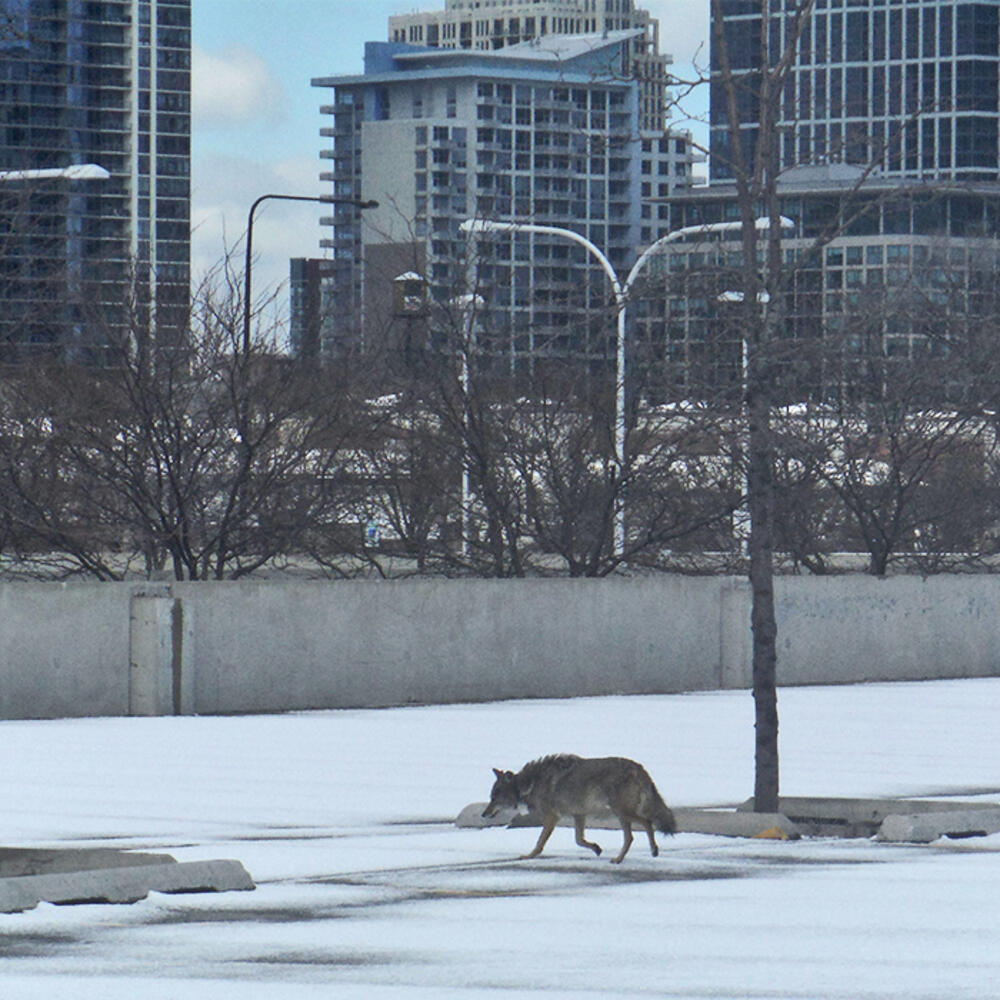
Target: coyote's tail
x: 662, y: 818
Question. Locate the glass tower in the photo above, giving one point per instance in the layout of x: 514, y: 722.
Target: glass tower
x: 910, y: 86
x: 81, y: 261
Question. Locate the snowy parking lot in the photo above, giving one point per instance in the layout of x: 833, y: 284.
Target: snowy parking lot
x: 367, y: 889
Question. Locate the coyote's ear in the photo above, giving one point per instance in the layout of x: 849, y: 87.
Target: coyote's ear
x: 498, y: 772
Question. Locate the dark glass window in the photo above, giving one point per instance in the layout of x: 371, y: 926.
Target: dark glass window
x: 930, y: 33
x: 944, y: 86
x: 976, y: 86
x: 857, y: 36
x: 896, y: 34
x: 944, y: 32
x: 836, y: 37
x: 878, y: 91
x: 944, y: 142
x: 913, y: 33
x: 928, y: 89
x: 805, y: 45
x: 976, y: 28
x: 857, y: 91
x: 912, y: 88
x: 927, y: 145
x: 976, y: 142
x: 878, y: 35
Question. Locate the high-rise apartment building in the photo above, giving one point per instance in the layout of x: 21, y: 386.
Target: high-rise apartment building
x: 543, y: 133
x: 106, y: 83
x: 494, y: 24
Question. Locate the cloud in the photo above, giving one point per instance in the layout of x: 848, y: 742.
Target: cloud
x: 223, y: 188
x: 234, y: 88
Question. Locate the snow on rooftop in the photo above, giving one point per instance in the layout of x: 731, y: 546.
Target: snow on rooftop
x: 553, y: 48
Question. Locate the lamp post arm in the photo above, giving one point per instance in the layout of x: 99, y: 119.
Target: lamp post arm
x: 484, y: 226
x: 685, y: 231
x: 489, y: 226
x: 248, y: 263
x: 320, y: 199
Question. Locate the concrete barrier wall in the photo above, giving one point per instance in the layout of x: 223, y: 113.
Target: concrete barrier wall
x: 117, y: 649
x: 259, y: 647
x: 64, y: 650
x: 859, y: 628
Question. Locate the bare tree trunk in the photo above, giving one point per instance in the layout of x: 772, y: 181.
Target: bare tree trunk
x: 760, y: 497
x: 755, y: 173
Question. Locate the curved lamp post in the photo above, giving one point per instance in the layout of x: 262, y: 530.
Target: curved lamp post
x: 621, y: 291
x: 322, y: 199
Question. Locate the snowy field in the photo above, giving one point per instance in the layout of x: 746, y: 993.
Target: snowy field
x: 366, y: 888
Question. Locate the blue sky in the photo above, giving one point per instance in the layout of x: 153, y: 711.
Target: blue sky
x: 256, y: 118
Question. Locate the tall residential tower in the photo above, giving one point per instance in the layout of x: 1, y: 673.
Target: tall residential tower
x: 543, y: 133
x: 106, y: 83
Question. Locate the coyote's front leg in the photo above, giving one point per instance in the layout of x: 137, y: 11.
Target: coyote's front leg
x: 547, y: 827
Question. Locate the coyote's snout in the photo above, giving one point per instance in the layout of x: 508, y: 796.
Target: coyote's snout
x: 567, y: 785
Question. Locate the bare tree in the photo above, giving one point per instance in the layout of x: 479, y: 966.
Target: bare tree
x: 185, y: 451
x: 407, y: 493
x: 753, y: 89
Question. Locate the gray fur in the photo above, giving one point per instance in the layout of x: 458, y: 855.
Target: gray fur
x: 568, y: 785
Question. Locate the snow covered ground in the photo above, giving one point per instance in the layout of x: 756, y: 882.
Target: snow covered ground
x: 366, y: 888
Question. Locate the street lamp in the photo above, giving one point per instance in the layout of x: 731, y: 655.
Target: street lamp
x: 467, y: 305
x: 321, y: 199
x: 74, y: 172
x: 621, y: 290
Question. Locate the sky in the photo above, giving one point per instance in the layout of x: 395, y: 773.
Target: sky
x: 256, y: 117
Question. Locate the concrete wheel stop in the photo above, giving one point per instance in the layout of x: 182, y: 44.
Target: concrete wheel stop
x: 29, y: 876
x: 915, y: 821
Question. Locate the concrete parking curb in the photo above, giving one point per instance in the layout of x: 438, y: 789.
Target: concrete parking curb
x: 108, y: 877
x: 720, y: 822
x: 922, y: 828
x: 889, y: 820
x: 850, y: 817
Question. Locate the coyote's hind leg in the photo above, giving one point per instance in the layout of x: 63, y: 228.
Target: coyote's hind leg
x: 581, y: 838
x: 652, y: 837
x: 627, y: 832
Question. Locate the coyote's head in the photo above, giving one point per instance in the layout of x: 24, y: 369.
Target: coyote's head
x: 504, y: 795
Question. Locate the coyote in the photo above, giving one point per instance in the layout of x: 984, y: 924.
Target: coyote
x: 567, y: 785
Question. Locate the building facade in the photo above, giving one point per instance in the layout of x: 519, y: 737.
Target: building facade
x: 907, y: 267
x: 495, y: 24
x: 106, y: 83
x: 912, y: 87
x: 306, y: 300
x: 889, y: 169
x: 548, y: 135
